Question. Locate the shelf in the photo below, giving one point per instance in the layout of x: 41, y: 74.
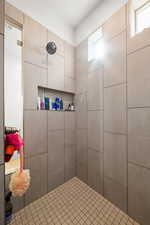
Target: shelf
x: 57, y: 110
x: 67, y: 97
x: 56, y: 90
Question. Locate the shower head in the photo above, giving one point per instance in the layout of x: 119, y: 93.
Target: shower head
x: 51, y: 48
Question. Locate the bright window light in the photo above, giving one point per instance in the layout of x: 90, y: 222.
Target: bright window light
x: 96, y: 46
x: 142, y: 16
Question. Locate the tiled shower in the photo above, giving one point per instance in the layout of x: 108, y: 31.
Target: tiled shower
x: 105, y: 142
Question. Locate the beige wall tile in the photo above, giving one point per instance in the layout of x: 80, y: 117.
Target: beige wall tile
x: 82, y: 137
x: 138, y: 193
x: 115, y: 109
x: 55, y: 72
x: 2, y: 5
x: 33, y: 76
x: 95, y: 90
x: 82, y: 154
x: 34, y: 46
x: 116, y: 24
x: 59, y: 42
x: 13, y: 13
x: 138, y: 41
x: 95, y: 130
x: 70, y: 137
x: 82, y: 67
x: 56, y: 120
x: 1, y: 84
x: 70, y: 120
x: 55, y: 178
x: 82, y: 53
x: 115, y: 61
x: 115, y: 193
x: 38, y: 171
x: 81, y: 111
x: 35, y: 132
x: 139, y: 136
x: 56, y: 159
x: 69, y: 61
x: 55, y: 150
x: 70, y: 129
x: 82, y: 172
x: 82, y: 84
x: 70, y: 162
x: 95, y: 170
x: 95, y: 65
x: 115, y: 157
x: 82, y: 59
x: 70, y: 84
x: 138, y: 78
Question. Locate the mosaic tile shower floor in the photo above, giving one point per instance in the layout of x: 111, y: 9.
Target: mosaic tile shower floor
x: 69, y: 204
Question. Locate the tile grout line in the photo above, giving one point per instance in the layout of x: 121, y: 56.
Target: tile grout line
x: 138, y: 49
x: 127, y: 207
x: 114, y: 85
x: 103, y: 191
x: 137, y: 164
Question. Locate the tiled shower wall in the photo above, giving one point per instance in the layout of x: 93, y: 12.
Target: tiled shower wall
x: 1, y: 111
x: 113, y: 117
x: 49, y: 136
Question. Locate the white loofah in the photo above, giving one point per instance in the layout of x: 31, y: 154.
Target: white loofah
x: 19, y: 182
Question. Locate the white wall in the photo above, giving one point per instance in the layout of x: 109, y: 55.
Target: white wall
x: 106, y: 9
x: 13, y: 79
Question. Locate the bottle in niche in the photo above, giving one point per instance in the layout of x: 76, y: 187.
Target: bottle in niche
x: 42, y: 105
x: 69, y: 107
x: 50, y: 104
x: 46, y: 103
x: 38, y: 103
x: 53, y: 104
x: 57, y: 104
x: 72, y: 106
x: 61, y: 105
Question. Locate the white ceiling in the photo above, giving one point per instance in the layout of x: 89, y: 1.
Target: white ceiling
x: 73, y: 12
x: 69, y: 18
x: 60, y: 16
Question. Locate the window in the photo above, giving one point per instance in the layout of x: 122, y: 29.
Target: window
x: 142, y: 17
x: 96, y: 45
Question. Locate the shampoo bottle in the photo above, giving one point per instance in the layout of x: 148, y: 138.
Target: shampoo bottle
x: 42, y: 105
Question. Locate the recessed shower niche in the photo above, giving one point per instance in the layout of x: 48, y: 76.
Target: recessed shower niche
x: 54, y: 100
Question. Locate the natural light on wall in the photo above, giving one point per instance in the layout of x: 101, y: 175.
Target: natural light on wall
x: 142, y: 17
x: 96, y: 48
